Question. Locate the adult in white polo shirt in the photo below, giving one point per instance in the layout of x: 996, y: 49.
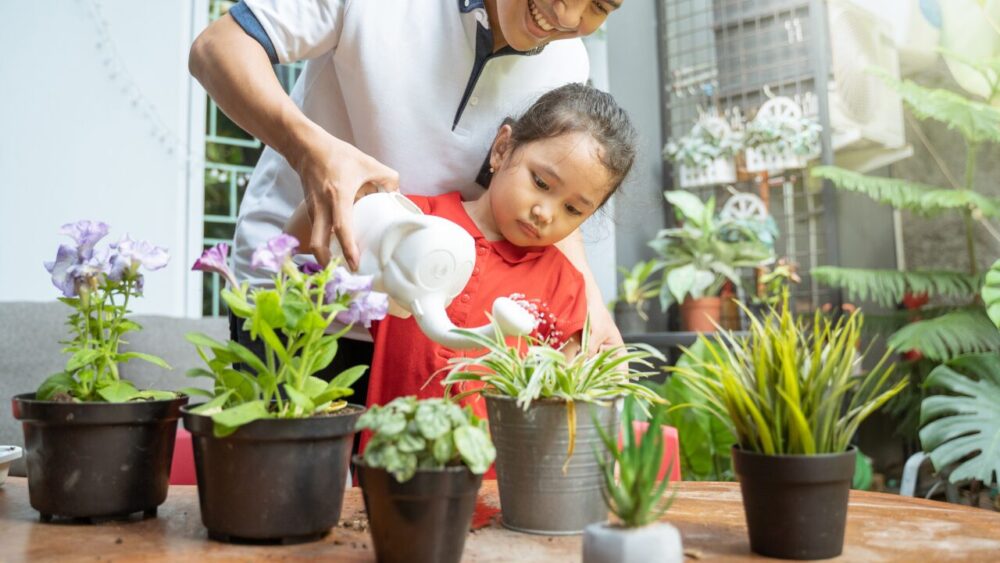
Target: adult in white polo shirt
x: 406, y: 94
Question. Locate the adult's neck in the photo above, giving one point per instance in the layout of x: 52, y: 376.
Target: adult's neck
x: 499, y: 41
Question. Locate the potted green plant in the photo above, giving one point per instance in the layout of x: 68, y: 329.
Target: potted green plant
x: 95, y: 445
x: 273, y: 441
x: 780, y: 137
x: 420, y: 474
x: 789, y: 393
x: 635, y: 497
x: 706, y: 155
x: 542, y: 404
x: 700, y: 256
x: 633, y: 301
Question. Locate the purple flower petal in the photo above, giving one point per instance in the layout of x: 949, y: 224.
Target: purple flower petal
x: 142, y: 253
x: 99, y: 263
x: 310, y: 267
x: 214, y: 260
x: 272, y: 255
x: 86, y: 234
x: 365, y: 308
x: 66, y: 258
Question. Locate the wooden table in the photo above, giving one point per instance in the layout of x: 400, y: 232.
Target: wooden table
x: 880, y: 527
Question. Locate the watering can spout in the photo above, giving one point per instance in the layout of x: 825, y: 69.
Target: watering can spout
x: 509, y: 317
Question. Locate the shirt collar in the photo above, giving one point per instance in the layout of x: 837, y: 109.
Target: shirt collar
x: 511, y: 253
x: 466, y: 6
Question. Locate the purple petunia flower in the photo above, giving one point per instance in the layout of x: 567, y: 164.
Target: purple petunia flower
x: 365, y: 308
x: 66, y: 258
x: 86, y: 234
x: 136, y: 253
x: 273, y: 254
x: 310, y: 267
x: 214, y: 260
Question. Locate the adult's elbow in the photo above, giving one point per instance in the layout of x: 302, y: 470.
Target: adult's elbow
x: 199, y: 55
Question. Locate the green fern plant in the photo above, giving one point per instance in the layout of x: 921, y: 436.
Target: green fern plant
x: 948, y: 336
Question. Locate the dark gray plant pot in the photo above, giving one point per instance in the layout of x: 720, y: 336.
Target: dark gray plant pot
x: 535, y: 495
x: 628, y: 319
x: 795, y: 505
x: 655, y: 543
x: 96, y: 460
x: 273, y: 480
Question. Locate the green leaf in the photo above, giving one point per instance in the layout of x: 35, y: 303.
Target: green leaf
x: 687, y: 204
x: 197, y: 392
x: 475, y: 447
x: 976, y: 121
x: 237, y: 304
x: 233, y: 418
x: 964, y: 427
x: 991, y: 293
x: 204, y: 340
x: 948, y: 336
x: 889, y: 287
x: 299, y: 399
x: 431, y: 420
x: 213, y: 406
x: 156, y: 361
x: 118, y: 392
x: 348, y: 377
x: 246, y: 356
x: 82, y: 358
x: 156, y: 395
x: 61, y: 382
x: 269, y: 310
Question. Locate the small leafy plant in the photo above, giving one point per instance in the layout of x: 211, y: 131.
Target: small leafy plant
x: 637, y: 288
x: 98, y: 283
x: 635, y: 497
x: 292, y: 321
x: 791, y: 388
x: 777, y: 135
x: 708, y: 140
x: 699, y: 256
x: 411, y: 434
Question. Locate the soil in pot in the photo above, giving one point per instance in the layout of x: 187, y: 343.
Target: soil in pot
x: 97, y: 460
x: 698, y: 315
x: 425, y: 519
x: 273, y: 480
x: 536, y: 496
x: 795, y: 505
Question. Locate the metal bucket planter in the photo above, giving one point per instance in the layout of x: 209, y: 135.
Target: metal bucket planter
x: 795, y: 505
x: 273, y: 480
x: 536, y: 496
x: 425, y: 519
x: 97, y: 460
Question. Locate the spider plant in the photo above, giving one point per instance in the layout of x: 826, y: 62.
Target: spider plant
x: 635, y: 497
x: 529, y: 370
x: 791, y: 387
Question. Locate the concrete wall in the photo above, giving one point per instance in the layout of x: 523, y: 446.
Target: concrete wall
x: 97, y: 112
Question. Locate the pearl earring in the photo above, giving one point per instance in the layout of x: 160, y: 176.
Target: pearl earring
x: 491, y: 169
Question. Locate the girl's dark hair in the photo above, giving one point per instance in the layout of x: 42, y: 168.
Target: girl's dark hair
x: 577, y: 108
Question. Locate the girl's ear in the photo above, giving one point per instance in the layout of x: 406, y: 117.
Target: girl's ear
x: 501, y: 146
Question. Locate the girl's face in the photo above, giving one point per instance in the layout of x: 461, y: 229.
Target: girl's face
x: 544, y: 190
x: 527, y: 24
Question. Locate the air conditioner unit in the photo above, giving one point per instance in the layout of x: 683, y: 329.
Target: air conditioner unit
x: 866, y: 114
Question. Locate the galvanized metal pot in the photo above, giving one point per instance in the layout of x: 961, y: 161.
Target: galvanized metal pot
x: 535, y: 495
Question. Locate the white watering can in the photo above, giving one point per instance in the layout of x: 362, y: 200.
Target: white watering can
x: 423, y: 262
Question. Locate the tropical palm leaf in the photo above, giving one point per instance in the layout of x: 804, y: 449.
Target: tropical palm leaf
x: 946, y: 337
x: 912, y: 196
x: 991, y: 293
x: 976, y: 121
x: 888, y: 287
x: 964, y: 427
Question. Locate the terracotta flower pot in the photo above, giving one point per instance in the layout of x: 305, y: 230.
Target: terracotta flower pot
x: 698, y: 315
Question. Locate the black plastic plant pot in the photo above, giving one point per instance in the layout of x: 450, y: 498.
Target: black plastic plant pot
x: 273, y: 480
x: 795, y: 505
x: 425, y: 519
x: 96, y: 460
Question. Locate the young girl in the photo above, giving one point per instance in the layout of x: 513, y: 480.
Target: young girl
x: 549, y: 170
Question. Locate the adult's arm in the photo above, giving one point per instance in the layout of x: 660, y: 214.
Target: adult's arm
x: 235, y: 70
x: 604, y: 332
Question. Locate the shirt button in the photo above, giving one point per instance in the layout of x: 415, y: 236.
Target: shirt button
x: 475, y: 271
x: 465, y: 298
x: 466, y: 3
x: 480, y: 250
x: 473, y: 100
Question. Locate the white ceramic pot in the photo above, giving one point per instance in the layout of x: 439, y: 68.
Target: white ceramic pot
x: 7, y: 456
x: 655, y: 543
x: 719, y: 171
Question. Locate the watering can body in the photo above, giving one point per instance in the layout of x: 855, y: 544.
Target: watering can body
x: 422, y: 262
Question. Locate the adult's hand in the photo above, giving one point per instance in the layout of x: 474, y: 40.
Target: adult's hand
x: 603, y: 331
x: 334, y: 174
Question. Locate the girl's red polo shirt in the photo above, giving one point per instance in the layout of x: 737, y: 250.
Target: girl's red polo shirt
x: 405, y: 359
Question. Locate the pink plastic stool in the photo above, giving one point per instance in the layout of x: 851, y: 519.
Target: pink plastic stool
x: 182, y: 465
x: 671, y: 448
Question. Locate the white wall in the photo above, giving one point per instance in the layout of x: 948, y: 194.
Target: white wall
x: 85, y: 128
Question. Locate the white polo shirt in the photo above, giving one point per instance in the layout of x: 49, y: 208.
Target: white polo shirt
x: 413, y: 83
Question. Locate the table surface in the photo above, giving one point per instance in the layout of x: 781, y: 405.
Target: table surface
x: 880, y: 527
